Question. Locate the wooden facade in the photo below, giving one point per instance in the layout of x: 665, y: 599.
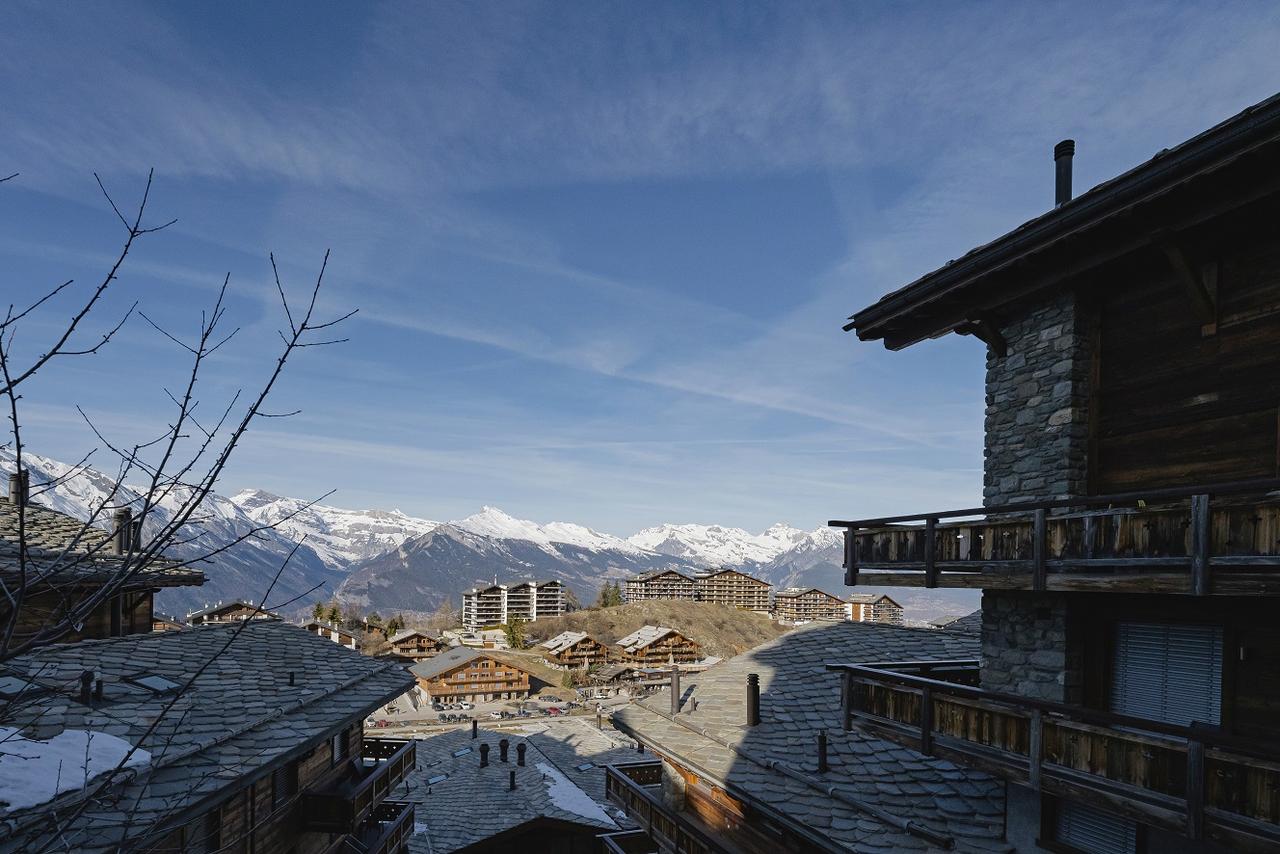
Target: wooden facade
x: 873, y: 608
x: 667, y: 584
x: 416, y: 645
x: 656, y: 645
x: 734, y: 589
x: 479, y: 679
x: 584, y: 651
x: 807, y: 605
x: 333, y: 632
x: 228, y: 612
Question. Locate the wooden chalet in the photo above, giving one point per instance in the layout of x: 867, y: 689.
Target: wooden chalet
x: 474, y: 675
x: 1128, y: 545
x: 656, y: 645
x: 873, y: 608
x: 574, y: 649
x: 229, y: 612
x: 165, y: 623
x: 659, y: 584
x: 733, y: 588
x: 333, y: 632
x: 797, y: 605
x: 415, y: 645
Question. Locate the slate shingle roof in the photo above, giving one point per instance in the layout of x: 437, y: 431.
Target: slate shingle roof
x: 643, y: 636
x: 562, y: 641
x: 456, y: 656
x: 240, y: 718
x: 63, y: 550
x: 405, y: 634
x: 798, y: 696
x: 473, y: 803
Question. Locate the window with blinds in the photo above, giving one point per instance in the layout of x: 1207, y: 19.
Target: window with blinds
x: 1168, y: 673
x: 339, y: 743
x: 1094, y: 831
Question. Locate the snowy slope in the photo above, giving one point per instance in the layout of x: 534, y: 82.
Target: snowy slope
x: 492, y: 522
x: 339, y: 536
x: 715, y: 545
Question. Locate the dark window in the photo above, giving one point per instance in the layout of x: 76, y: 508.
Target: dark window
x: 1086, y: 829
x: 284, y: 784
x: 204, y: 835
x: 339, y: 747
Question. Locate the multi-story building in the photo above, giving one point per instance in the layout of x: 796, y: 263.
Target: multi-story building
x: 229, y: 612
x: 574, y: 649
x: 659, y: 584
x: 873, y: 608
x: 732, y: 588
x: 656, y: 645
x: 806, y: 605
x: 415, y: 645
x: 1128, y: 546
x: 477, y: 676
x: 236, y: 736
x: 500, y: 603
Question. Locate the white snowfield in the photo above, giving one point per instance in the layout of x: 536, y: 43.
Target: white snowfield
x: 35, y: 772
x: 492, y: 522
x: 567, y: 796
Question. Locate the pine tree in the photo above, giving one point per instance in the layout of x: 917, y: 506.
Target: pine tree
x: 318, y: 611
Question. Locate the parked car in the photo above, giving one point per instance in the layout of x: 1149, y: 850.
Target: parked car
x: 437, y: 707
x: 441, y: 717
x: 498, y: 715
x: 465, y: 706
x: 554, y: 710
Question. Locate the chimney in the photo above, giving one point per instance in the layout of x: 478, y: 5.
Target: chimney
x: 520, y: 749
x: 122, y: 522
x: 753, y: 699
x: 675, y: 690
x: 484, y: 756
x: 291, y: 679
x: 97, y: 689
x: 822, y: 751
x: 19, y: 484
x: 512, y: 778
x: 86, y: 685
x: 475, y: 729
x: 1062, y: 154
x: 502, y: 749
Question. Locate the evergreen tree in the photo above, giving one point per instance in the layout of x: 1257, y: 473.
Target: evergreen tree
x: 318, y: 611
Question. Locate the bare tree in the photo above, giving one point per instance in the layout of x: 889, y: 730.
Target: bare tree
x: 50, y: 592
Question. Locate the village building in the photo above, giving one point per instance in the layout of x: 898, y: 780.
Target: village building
x: 733, y: 588
x: 656, y: 645
x: 166, y: 623
x: 480, y: 791
x: 574, y: 649
x: 797, y: 605
x: 873, y: 608
x: 971, y: 623
x: 474, y: 675
x: 659, y: 584
x: 333, y: 632
x: 229, y: 612
x: 752, y: 756
x: 1127, y: 546
x: 498, y: 604
x: 415, y: 645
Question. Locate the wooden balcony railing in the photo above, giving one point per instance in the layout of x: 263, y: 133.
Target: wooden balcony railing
x: 1222, y: 538
x: 634, y: 786
x: 386, y: 831
x: 1196, y: 780
x: 353, y: 799
x: 628, y: 842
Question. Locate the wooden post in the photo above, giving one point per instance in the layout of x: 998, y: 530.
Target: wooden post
x: 930, y: 552
x: 1036, y: 748
x: 1039, y: 546
x: 846, y: 700
x: 1195, y: 789
x: 1201, y: 536
x: 926, y: 721
x: 850, y: 559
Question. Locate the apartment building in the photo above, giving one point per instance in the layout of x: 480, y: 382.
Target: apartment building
x: 797, y: 605
x: 499, y: 603
x: 472, y: 675
x: 873, y: 608
x: 733, y: 588
x: 659, y: 584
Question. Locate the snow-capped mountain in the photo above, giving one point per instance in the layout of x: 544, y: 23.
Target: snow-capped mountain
x: 243, y: 571
x: 715, y: 545
x: 492, y: 522
x: 339, y: 536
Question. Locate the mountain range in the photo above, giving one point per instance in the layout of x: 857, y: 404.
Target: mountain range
x: 386, y: 560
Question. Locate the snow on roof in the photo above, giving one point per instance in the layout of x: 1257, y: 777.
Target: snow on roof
x: 563, y: 641
x: 35, y: 772
x: 568, y: 797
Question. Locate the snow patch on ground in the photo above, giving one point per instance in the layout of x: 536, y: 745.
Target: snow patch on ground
x: 569, y: 797
x: 35, y: 772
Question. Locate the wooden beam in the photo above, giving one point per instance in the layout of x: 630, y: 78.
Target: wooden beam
x: 1036, y: 748
x: 1201, y: 284
x: 930, y: 552
x: 1201, y: 535
x: 985, y: 331
x: 1040, y: 546
x: 1195, y: 789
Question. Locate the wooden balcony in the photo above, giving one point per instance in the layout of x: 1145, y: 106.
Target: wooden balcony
x: 1219, y: 539
x: 636, y: 788
x: 628, y: 842
x: 1197, y: 780
x: 386, y: 831
x: 354, y: 799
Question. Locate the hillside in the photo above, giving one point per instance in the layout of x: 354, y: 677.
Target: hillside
x: 722, y: 631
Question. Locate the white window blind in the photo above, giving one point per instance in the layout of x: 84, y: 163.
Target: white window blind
x: 1168, y: 673
x: 1093, y: 830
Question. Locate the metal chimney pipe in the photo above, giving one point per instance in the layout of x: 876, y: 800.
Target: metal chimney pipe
x: 753, y: 699
x: 475, y: 729
x: 484, y: 756
x: 86, y: 686
x: 511, y: 776
x: 98, y: 689
x: 502, y: 749
x: 822, y: 751
x: 18, y: 488
x: 122, y: 519
x: 520, y: 748
x: 1063, y: 152
x: 675, y: 690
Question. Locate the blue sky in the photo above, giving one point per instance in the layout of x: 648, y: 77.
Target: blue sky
x: 601, y: 252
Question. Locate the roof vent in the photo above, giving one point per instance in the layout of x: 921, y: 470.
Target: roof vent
x: 1063, y: 153
x: 753, y: 699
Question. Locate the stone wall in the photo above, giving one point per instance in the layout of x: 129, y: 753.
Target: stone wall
x: 1037, y: 399
x: 1025, y: 648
